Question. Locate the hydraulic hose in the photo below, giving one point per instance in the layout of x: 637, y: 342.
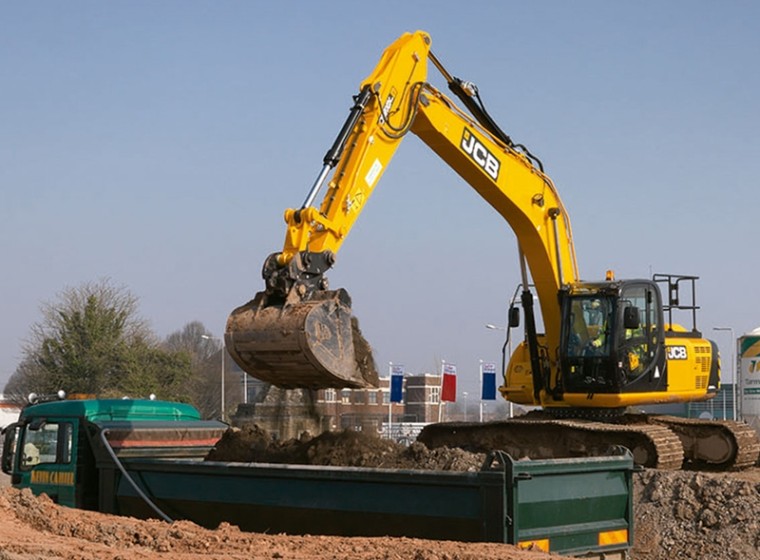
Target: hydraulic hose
x: 129, y: 479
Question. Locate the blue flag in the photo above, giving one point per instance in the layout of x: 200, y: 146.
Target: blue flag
x: 488, y: 381
x: 397, y: 383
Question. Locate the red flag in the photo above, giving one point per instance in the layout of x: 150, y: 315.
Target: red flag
x: 449, y: 383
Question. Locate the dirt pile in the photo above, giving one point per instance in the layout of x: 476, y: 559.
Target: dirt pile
x: 347, y: 448
x: 34, y: 528
x: 697, y: 515
x: 690, y: 515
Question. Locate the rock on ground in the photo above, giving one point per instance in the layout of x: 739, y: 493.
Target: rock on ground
x: 696, y: 515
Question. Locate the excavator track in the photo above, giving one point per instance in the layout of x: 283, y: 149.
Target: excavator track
x: 718, y: 444
x: 659, y: 442
x: 652, y: 445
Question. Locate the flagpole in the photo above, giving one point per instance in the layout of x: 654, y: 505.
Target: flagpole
x: 481, y: 391
x: 390, y: 399
x: 440, y: 392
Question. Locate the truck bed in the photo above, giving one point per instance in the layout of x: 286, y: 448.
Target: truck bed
x: 563, y: 505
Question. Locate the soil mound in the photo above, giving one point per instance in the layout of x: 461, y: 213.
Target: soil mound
x: 684, y: 515
x: 347, y: 448
x: 679, y: 514
x: 34, y: 528
x: 697, y: 515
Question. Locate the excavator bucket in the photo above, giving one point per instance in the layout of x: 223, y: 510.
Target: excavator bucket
x: 314, y: 343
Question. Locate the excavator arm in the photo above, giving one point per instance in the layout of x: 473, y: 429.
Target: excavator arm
x: 297, y: 333
x: 382, y: 113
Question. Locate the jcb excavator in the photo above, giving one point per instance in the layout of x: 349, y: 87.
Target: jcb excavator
x: 607, y: 345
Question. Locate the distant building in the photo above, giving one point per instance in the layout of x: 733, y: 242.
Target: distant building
x: 363, y: 409
x: 288, y: 413
x: 720, y: 407
x: 422, y: 398
x: 8, y: 411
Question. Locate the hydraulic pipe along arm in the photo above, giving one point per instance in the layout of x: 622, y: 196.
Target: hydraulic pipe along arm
x: 299, y: 334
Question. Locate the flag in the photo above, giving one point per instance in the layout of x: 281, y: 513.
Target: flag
x: 397, y: 382
x: 449, y: 383
x: 488, y: 381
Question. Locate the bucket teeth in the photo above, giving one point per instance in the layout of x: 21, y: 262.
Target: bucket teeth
x: 314, y: 344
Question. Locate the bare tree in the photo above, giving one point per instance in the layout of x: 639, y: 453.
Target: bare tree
x: 91, y: 340
x: 204, y: 387
x: 195, y: 339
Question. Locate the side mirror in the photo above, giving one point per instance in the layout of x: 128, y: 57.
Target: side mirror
x: 37, y: 424
x: 631, y: 317
x: 10, y: 437
x: 514, y: 317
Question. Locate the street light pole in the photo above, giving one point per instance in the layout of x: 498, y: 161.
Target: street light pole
x: 465, y: 405
x: 733, y: 369
x: 208, y: 337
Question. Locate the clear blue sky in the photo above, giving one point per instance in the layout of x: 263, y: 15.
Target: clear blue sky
x: 158, y: 143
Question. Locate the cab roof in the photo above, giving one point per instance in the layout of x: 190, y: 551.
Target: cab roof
x: 105, y: 410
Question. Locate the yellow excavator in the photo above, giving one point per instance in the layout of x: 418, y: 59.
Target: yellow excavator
x: 607, y: 346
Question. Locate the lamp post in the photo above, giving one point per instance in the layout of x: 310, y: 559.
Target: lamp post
x: 733, y: 369
x: 208, y: 337
x: 464, y: 394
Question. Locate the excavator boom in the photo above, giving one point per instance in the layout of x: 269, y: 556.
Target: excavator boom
x: 296, y: 333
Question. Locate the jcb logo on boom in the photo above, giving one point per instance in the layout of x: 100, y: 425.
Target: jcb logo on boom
x: 480, y: 154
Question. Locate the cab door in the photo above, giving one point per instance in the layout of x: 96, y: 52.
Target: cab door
x: 46, y: 459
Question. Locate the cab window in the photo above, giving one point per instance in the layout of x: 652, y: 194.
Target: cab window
x: 638, y: 344
x: 47, y: 443
x: 589, y: 329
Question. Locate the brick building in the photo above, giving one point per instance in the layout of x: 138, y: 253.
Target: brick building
x: 370, y: 408
x: 288, y: 413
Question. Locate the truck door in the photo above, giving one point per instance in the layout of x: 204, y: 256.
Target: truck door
x: 46, y: 462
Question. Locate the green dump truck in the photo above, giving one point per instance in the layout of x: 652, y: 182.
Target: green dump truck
x: 144, y: 458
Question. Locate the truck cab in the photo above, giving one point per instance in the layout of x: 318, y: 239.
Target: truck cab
x: 52, y: 447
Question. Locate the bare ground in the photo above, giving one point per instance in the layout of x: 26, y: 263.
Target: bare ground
x: 34, y: 528
x: 689, y: 515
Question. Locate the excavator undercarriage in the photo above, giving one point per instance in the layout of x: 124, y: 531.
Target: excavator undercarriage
x: 660, y: 442
x: 713, y: 444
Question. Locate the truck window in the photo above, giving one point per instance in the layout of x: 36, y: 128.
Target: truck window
x: 51, y: 443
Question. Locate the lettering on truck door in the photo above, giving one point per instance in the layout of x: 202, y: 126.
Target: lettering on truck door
x: 46, y: 458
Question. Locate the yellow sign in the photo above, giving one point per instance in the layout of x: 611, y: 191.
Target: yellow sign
x: 65, y: 478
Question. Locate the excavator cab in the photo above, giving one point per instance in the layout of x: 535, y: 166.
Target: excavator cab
x: 612, y: 337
